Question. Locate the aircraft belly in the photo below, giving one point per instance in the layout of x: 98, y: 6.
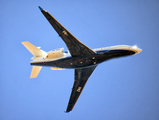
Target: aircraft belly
x: 73, y: 62
x: 83, y: 61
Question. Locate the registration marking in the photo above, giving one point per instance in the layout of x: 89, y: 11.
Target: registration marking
x: 79, y: 89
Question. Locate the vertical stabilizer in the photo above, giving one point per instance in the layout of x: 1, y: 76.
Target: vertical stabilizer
x: 35, y: 71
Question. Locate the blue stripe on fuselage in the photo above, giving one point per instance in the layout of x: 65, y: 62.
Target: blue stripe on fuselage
x: 102, y: 51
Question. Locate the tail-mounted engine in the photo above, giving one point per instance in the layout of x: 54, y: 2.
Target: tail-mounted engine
x: 57, y: 53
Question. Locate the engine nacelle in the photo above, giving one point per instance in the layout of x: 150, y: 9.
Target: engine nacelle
x: 57, y: 53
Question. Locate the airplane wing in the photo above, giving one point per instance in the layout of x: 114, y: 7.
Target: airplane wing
x: 81, y: 77
x: 75, y: 47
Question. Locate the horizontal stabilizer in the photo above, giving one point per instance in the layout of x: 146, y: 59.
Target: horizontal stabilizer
x: 35, y: 71
x: 34, y: 50
x: 55, y: 68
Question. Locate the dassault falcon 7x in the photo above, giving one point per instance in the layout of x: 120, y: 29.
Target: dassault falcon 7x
x: 79, y: 57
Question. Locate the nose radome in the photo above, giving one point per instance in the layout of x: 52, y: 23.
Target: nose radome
x: 138, y: 50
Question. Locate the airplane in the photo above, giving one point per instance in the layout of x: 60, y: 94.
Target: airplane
x: 79, y: 57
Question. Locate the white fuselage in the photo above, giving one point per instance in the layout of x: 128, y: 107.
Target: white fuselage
x: 60, y: 53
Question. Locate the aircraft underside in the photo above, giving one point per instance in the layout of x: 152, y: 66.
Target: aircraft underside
x: 84, y: 61
x: 79, y: 57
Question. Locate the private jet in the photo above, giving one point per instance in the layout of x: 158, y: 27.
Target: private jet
x: 79, y: 57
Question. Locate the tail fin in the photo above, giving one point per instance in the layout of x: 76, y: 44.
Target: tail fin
x: 35, y: 71
x: 34, y: 50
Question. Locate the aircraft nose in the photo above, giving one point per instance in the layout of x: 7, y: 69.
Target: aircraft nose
x: 137, y: 50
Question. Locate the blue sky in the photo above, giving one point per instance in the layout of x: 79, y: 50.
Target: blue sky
x: 119, y: 89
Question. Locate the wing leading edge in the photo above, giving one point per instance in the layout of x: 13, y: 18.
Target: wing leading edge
x: 81, y: 77
x: 75, y: 47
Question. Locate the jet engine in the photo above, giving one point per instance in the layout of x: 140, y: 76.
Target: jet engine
x: 57, y: 53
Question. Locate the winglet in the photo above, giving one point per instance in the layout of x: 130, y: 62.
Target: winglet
x: 67, y: 112
x: 41, y: 9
